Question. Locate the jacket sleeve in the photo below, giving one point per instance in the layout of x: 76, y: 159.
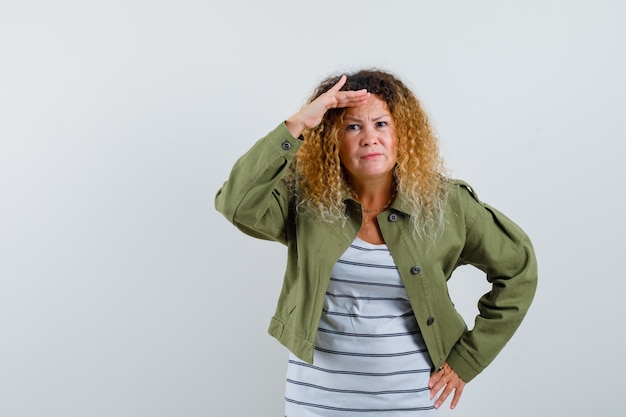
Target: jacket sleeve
x: 504, y: 252
x: 255, y: 197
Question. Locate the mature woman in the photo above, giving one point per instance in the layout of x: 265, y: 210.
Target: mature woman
x: 353, y: 185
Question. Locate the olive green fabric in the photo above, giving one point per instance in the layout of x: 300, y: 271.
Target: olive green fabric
x: 256, y: 200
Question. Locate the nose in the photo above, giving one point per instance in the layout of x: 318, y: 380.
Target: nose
x: 369, y: 136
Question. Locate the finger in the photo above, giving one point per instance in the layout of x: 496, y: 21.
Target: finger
x: 451, y: 384
x: 455, y: 384
x: 337, y: 87
x: 433, y: 381
x: 457, y: 395
x: 439, y: 391
x: 443, y: 396
x: 352, y: 98
x: 352, y: 95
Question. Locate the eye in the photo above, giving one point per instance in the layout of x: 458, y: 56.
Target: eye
x: 381, y: 124
x: 352, y: 127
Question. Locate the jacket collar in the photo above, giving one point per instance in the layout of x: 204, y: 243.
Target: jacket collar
x: 399, y: 203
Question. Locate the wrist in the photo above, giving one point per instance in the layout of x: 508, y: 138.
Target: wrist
x: 295, y: 127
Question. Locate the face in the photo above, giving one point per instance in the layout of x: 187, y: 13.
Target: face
x: 367, y: 141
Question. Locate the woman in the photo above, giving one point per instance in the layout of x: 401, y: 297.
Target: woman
x: 353, y: 185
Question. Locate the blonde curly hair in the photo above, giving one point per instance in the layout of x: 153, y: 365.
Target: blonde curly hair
x: 320, y: 181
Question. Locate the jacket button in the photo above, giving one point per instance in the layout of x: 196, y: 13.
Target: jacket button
x: 393, y: 217
x: 430, y: 321
x: 286, y: 145
x: 416, y: 270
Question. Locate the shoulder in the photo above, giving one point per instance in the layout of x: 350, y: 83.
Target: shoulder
x: 461, y: 195
x: 461, y: 188
x: 462, y: 201
x: 479, y: 216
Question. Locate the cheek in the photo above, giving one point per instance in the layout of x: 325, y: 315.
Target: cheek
x: 344, y: 156
x: 393, y: 147
x: 345, y: 149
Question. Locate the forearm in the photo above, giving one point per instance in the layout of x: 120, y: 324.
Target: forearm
x: 254, y: 197
x: 496, y: 245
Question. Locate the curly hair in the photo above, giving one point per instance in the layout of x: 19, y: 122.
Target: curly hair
x: 321, y: 181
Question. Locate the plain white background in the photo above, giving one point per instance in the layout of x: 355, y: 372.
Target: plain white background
x: 122, y: 291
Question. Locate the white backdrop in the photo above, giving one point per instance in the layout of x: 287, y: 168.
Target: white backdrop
x: 122, y: 291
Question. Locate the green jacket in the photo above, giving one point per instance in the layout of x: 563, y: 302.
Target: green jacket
x: 257, y: 201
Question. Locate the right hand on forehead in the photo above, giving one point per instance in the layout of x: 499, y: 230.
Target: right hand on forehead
x: 312, y: 113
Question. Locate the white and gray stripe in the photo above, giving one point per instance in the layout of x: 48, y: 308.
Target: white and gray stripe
x: 370, y: 356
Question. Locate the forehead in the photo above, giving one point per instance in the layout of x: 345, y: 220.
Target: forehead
x: 375, y: 107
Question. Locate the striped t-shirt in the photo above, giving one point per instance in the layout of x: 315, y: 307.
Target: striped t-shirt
x: 370, y: 357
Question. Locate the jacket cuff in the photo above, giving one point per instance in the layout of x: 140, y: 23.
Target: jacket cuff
x: 460, y: 364
x: 288, y: 144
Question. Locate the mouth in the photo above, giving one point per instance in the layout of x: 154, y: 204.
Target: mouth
x: 371, y: 156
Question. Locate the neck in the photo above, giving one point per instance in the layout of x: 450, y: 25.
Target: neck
x: 375, y: 196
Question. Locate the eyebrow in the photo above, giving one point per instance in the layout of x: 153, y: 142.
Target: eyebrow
x: 374, y: 119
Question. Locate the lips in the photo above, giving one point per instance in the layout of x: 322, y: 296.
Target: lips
x: 371, y: 156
